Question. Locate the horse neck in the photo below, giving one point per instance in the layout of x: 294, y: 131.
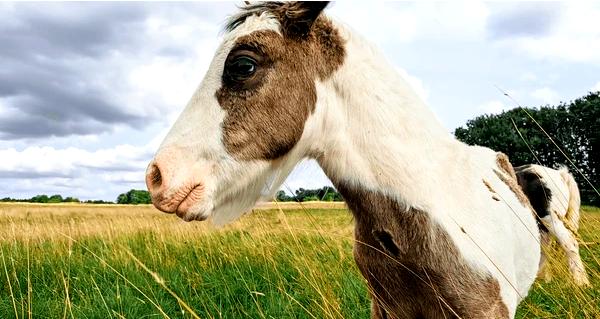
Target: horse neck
x: 376, y: 133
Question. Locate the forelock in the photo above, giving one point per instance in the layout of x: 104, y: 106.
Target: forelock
x: 249, y: 10
x: 282, y: 12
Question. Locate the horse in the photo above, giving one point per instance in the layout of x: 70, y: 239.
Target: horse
x: 442, y: 229
x: 554, y: 195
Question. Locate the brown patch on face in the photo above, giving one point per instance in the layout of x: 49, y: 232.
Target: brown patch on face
x: 508, y: 176
x: 411, y: 265
x: 266, y: 114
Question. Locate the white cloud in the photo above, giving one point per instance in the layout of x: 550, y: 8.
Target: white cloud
x: 596, y: 87
x: 131, y: 178
x: 575, y: 38
x: 159, y: 86
x: 374, y: 26
x: 528, y: 77
x: 100, y: 174
x: 493, y: 107
x: 405, y: 22
x: 167, y: 82
x: 415, y: 83
x: 546, y: 95
x: 46, y: 161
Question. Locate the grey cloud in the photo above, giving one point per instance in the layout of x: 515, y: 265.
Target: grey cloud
x: 41, y: 76
x: 68, y: 29
x: 140, y: 183
x: 77, y: 170
x: 52, y: 100
x: 40, y: 126
x: 119, y: 167
x: 32, y: 175
x: 49, y: 51
x: 523, y: 19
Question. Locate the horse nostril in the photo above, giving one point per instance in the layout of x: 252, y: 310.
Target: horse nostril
x: 155, y: 177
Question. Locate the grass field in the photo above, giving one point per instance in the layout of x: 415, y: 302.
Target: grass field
x: 81, y: 261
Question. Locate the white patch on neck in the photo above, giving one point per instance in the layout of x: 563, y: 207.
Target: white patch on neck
x: 371, y: 131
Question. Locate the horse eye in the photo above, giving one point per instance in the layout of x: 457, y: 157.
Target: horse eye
x: 242, y: 68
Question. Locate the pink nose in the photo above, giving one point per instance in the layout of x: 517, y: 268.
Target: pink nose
x: 160, y: 176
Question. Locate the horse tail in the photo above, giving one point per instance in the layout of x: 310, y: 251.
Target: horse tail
x: 572, y: 214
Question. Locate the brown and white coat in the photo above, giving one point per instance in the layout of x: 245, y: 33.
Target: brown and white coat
x: 287, y: 83
x: 554, y: 195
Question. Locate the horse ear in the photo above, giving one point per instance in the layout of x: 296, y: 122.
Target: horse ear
x: 300, y: 16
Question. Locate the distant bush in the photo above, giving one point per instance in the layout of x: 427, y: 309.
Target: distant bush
x: 71, y: 200
x: 55, y: 199
x: 134, y: 196
x: 326, y: 193
x: 40, y: 199
x: 97, y: 201
x: 44, y: 199
x: 137, y: 196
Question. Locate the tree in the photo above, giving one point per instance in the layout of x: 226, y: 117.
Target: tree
x: 55, y: 199
x: 39, y: 199
x: 52, y: 200
x: 122, y: 199
x: 134, y: 196
x: 97, y: 201
x: 281, y: 196
x: 324, y: 193
x: 71, y: 200
x: 574, y: 127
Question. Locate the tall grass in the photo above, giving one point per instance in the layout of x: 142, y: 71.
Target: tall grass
x: 84, y: 261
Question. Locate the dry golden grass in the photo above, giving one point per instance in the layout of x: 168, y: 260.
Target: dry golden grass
x: 293, y: 263
x: 48, y: 222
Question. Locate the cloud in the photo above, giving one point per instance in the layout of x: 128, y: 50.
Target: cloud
x: 395, y: 17
x: 493, y: 107
x: 528, y: 77
x: 596, y: 87
x: 546, y: 95
x: 393, y: 23
x: 523, y: 20
x: 415, y: 83
x: 573, y: 36
x: 45, y: 161
x: 72, y: 171
x: 81, y: 69
x: 45, y: 54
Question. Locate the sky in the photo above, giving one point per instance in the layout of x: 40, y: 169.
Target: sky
x: 89, y: 90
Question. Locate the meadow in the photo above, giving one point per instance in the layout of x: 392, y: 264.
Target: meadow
x: 119, y: 261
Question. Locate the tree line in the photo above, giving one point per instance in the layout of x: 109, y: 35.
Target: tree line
x: 136, y: 196
x: 326, y: 193
x: 52, y: 199
x: 573, y: 126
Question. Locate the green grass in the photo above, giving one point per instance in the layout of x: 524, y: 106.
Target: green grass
x: 76, y: 261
